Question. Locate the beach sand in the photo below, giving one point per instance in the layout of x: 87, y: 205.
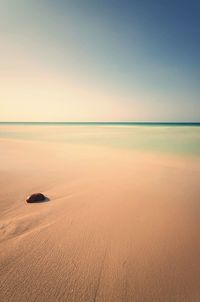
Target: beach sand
x: 119, y: 226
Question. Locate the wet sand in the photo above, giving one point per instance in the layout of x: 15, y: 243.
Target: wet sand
x: 119, y: 226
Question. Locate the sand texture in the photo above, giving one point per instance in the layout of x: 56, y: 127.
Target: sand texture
x: 119, y: 226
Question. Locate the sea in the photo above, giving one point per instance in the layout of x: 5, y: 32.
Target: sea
x: 161, y: 137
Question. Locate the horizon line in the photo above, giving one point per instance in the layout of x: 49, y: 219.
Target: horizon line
x: 106, y: 122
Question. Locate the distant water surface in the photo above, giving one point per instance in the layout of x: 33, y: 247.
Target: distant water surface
x: 172, y: 138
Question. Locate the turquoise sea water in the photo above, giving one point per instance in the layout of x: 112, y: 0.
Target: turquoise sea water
x: 172, y: 138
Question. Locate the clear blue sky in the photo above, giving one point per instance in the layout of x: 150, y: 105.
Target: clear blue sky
x: 87, y: 60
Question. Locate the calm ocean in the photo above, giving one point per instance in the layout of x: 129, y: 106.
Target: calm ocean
x: 172, y: 138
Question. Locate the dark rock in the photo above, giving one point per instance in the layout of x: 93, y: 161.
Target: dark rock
x: 36, y: 197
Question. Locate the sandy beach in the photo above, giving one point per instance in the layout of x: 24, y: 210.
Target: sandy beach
x: 120, y: 225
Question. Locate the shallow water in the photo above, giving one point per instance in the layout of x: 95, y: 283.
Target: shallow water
x: 179, y: 139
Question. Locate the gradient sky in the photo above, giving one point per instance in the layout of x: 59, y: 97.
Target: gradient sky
x: 89, y: 60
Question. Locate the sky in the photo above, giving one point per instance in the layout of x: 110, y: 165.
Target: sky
x: 108, y: 60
